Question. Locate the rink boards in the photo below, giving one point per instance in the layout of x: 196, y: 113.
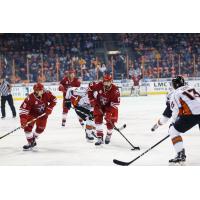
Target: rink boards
x: 20, y: 91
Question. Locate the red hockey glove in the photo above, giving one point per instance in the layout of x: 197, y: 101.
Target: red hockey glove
x: 48, y: 110
x: 61, y: 88
x: 23, y: 122
x: 108, y: 117
x: 94, y: 102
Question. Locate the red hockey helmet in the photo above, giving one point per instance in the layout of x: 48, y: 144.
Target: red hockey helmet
x: 71, y: 71
x: 107, y: 81
x: 38, y: 87
x: 107, y: 77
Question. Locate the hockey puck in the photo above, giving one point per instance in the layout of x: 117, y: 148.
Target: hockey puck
x: 123, y: 127
x: 136, y: 148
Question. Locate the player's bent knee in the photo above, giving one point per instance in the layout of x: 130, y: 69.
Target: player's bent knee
x: 39, y: 130
x: 28, y: 129
x: 110, y: 125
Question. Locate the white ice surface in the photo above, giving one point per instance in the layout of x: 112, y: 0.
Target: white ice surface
x: 67, y: 146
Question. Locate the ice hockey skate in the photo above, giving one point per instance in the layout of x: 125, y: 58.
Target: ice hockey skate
x: 32, y: 146
x: 63, y: 123
x: 89, y: 136
x: 99, y: 141
x: 179, y: 159
x: 107, y: 139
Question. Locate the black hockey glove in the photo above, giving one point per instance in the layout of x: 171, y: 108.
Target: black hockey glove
x: 68, y: 103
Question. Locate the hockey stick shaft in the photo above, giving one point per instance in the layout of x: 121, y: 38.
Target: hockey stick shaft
x: 25, y: 125
x: 118, y: 162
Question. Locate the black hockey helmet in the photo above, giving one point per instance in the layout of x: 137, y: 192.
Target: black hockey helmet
x: 178, y: 82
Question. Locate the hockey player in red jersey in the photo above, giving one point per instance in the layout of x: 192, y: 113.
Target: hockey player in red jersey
x: 136, y: 77
x: 68, y: 81
x: 37, y: 103
x: 104, y: 97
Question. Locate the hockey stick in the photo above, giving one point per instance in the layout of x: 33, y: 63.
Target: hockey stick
x: 119, y: 131
x: 25, y: 125
x: 118, y: 162
x: 115, y: 128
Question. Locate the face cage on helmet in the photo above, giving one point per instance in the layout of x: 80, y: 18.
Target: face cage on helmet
x: 106, y: 86
x: 39, y: 93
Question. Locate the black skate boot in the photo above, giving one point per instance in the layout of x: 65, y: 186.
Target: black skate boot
x: 30, y: 146
x: 63, y: 122
x: 107, y: 140
x: 179, y: 159
x: 89, y: 136
x: 99, y: 141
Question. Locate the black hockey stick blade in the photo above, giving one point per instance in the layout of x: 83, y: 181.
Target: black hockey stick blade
x: 118, y: 162
x: 135, y: 148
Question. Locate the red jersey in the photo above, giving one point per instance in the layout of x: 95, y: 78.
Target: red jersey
x: 136, y: 80
x: 67, y: 83
x: 110, y: 98
x: 36, y: 106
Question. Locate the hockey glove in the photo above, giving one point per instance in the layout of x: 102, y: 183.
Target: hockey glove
x: 68, y: 103
x: 154, y: 127
x: 48, y: 111
x: 61, y: 88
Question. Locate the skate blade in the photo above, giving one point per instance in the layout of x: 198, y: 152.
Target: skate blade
x: 33, y: 149
x: 90, y: 141
x: 107, y: 143
x: 177, y: 164
x: 99, y: 146
x: 27, y: 149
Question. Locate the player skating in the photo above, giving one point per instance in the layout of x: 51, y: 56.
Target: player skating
x: 78, y: 97
x: 39, y: 102
x: 68, y: 81
x: 105, y: 98
x: 185, y: 106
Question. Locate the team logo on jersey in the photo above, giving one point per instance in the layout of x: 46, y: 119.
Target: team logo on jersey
x: 41, y: 108
x: 103, y: 100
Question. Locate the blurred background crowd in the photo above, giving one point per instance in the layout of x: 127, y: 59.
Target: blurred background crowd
x: 47, y: 57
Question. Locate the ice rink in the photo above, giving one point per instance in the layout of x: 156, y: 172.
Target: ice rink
x: 67, y: 146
